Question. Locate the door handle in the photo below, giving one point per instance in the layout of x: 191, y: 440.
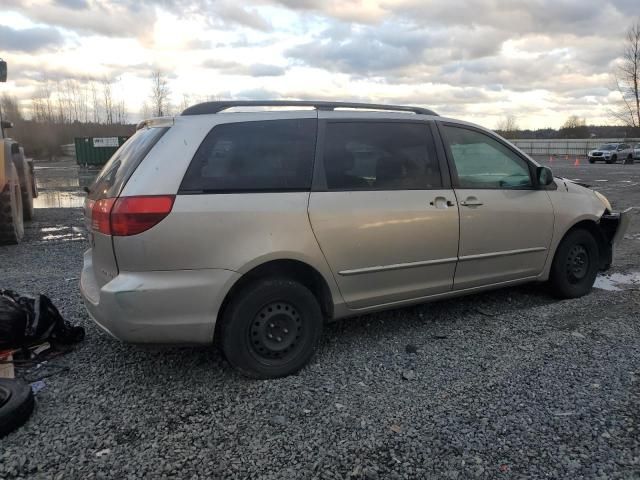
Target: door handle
x: 441, y: 202
x: 471, y: 202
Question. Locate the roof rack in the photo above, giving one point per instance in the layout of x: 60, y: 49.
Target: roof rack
x: 216, y: 107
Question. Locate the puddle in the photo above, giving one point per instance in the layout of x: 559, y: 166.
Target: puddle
x: 61, y: 186
x: 616, y: 282
x: 59, y: 199
x: 62, y: 234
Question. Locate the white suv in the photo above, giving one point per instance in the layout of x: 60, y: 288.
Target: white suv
x: 611, y: 153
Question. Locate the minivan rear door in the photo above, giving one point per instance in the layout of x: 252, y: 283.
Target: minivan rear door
x: 105, y: 189
x: 382, y: 208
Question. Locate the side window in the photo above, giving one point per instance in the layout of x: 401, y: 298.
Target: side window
x: 483, y: 162
x: 272, y: 155
x: 380, y: 156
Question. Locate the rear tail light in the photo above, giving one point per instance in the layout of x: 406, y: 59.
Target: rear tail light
x: 126, y: 216
x: 100, y: 215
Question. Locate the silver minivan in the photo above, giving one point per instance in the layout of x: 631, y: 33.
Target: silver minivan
x: 256, y: 227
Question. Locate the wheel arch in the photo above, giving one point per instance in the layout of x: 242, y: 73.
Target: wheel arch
x: 592, y: 227
x: 297, y: 270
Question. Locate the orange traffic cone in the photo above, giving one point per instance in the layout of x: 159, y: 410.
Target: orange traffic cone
x: 577, y: 162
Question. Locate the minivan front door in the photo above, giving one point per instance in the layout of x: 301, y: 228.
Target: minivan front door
x: 383, y: 219
x: 506, y: 224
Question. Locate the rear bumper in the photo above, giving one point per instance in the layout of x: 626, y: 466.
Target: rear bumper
x: 176, y: 307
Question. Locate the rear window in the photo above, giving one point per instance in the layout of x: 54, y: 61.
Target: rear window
x: 122, y: 164
x: 272, y: 155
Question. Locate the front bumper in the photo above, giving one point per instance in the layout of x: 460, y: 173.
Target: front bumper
x: 623, y: 225
x: 176, y: 307
x: 613, y: 227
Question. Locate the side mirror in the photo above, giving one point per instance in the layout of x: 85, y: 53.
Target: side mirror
x: 5, y: 124
x: 3, y: 71
x: 544, y: 176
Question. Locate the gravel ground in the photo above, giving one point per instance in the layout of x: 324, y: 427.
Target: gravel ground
x: 507, y: 384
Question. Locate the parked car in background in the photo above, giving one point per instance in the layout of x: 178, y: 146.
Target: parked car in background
x: 636, y: 151
x: 611, y: 153
x: 257, y: 227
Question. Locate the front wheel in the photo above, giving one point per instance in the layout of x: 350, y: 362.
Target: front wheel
x: 575, y: 265
x: 271, y: 328
x: 592, y: 161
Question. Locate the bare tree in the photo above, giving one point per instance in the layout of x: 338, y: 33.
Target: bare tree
x: 159, y: 94
x: 574, y: 127
x: 145, y: 110
x: 574, y: 121
x: 628, y: 79
x: 95, y: 102
x: 10, y: 108
x: 107, y: 96
x: 508, y: 126
x: 186, y: 102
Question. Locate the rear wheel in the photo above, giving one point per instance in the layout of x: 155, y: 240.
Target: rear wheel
x: 271, y: 328
x: 11, y: 213
x: 575, y: 265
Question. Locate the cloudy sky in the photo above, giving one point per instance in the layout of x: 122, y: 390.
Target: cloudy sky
x: 480, y: 60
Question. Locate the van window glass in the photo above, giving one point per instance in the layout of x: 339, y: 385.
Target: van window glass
x: 380, y: 156
x: 483, y: 162
x: 123, y: 162
x: 271, y: 155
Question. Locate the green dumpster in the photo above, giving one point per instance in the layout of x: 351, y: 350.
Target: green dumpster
x: 96, y: 151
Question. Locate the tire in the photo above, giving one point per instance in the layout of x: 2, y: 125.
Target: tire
x: 16, y: 404
x: 629, y: 160
x: 283, y: 345
x: 575, y: 265
x: 11, y: 214
x: 592, y: 161
x: 27, y: 196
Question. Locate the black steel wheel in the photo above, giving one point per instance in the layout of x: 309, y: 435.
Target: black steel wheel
x: 575, y: 265
x: 271, y: 328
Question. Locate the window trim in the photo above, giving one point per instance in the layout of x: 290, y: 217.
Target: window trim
x: 454, y: 172
x: 216, y: 191
x: 319, y: 183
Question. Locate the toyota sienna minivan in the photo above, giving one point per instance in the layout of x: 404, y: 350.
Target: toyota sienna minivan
x: 257, y: 227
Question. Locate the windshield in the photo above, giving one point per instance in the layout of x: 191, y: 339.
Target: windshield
x: 608, y: 146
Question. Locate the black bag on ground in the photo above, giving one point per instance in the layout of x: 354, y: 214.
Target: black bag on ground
x: 28, y: 320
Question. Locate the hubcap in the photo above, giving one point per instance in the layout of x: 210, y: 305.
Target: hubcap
x: 276, y: 331
x: 577, y: 265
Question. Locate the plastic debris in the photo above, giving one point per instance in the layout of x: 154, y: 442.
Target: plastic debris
x: 37, y: 387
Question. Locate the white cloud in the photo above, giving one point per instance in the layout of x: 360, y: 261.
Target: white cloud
x: 541, y: 60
